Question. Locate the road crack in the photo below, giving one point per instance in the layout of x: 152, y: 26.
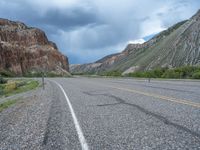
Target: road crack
x: 120, y: 101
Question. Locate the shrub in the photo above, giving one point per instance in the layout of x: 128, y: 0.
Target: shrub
x: 196, y: 75
x: 2, y: 80
x: 186, y: 71
x: 20, y: 83
x: 157, y: 73
x: 5, y: 73
x: 41, y: 74
x: 171, y: 74
x: 52, y: 74
x: 33, y: 74
x: 1, y: 90
x: 114, y: 73
x: 136, y: 74
x: 9, y: 87
x: 181, y: 72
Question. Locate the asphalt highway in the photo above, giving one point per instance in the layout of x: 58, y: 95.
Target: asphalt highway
x: 105, y: 114
x: 128, y: 114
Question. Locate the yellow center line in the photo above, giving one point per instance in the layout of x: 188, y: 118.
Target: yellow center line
x: 172, y: 99
x: 161, y: 97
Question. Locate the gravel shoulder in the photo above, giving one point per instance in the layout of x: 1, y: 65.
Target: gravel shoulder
x: 40, y: 120
x: 23, y: 124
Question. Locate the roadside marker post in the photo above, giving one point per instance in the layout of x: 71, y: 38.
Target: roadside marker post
x: 149, y: 80
x: 43, y: 81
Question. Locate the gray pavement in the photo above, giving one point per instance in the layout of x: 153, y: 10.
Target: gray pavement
x: 112, y: 114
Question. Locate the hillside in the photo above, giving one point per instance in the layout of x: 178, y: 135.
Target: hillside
x: 25, y: 50
x: 177, y: 46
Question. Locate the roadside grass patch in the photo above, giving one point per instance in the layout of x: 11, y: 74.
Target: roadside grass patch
x: 7, y: 104
x: 17, y: 86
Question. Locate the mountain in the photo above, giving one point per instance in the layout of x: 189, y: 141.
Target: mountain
x: 177, y: 46
x: 25, y: 50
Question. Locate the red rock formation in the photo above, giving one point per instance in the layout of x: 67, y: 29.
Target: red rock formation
x: 24, y: 49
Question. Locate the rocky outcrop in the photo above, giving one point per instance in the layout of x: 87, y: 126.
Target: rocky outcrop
x: 25, y: 49
x: 174, y: 47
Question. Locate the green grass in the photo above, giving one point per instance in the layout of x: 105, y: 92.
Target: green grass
x: 13, y: 87
x: 29, y: 85
x: 7, y: 104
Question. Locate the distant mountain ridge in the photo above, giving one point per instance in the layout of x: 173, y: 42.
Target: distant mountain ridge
x: 26, y: 49
x: 177, y: 46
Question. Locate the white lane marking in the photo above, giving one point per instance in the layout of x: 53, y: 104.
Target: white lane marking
x: 82, y: 140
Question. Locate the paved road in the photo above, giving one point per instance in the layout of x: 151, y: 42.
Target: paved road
x: 112, y: 114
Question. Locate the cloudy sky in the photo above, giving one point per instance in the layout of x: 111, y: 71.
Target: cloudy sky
x: 86, y: 30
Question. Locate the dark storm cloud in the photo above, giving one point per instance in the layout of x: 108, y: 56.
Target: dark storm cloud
x: 55, y: 18
x: 68, y: 19
x: 86, y: 30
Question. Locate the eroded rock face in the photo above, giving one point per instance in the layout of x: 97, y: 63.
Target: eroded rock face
x: 25, y: 49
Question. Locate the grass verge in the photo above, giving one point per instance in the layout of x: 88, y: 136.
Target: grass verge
x: 13, y: 87
x: 7, y: 104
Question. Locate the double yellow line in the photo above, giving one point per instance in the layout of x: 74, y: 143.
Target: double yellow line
x: 160, y: 97
x: 172, y: 99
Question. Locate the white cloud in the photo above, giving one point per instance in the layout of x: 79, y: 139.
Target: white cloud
x: 151, y: 27
x: 96, y: 27
x: 138, y: 41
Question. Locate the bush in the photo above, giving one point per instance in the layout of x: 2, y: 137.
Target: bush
x: 171, y: 74
x: 135, y: 74
x: 52, y: 74
x: 33, y: 74
x: 157, y: 73
x: 1, y: 90
x: 41, y: 74
x: 2, y: 80
x: 5, y: 73
x: 186, y: 72
x: 21, y: 83
x: 9, y: 87
x: 196, y: 75
x: 114, y: 73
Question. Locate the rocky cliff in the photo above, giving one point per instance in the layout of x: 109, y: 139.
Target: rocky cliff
x: 177, y: 46
x: 25, y: 49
